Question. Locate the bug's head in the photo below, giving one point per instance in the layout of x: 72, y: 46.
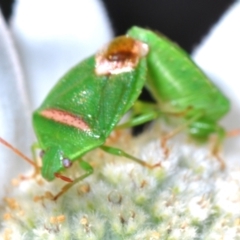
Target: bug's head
x: 53, y: 162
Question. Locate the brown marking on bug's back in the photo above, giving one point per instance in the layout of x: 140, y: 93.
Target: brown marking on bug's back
x: 122, y: 49
x: 121, y: 55
x: 65, y: 118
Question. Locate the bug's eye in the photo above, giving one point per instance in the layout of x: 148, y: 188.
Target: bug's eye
x: 66, y: 163
x: 41, y: 153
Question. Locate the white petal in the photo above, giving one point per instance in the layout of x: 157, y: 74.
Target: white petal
x: 54, y: 35
x: 219, y: 57
x: 15, y: 126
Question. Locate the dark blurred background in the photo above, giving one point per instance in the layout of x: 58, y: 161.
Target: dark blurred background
x: 183, y: 21
x: 6, y: 7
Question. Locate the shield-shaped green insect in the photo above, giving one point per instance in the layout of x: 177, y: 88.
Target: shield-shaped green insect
x: 85, y: 106
x: 180, y: 88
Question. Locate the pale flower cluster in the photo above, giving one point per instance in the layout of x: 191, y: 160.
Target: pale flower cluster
x: 188, y: 197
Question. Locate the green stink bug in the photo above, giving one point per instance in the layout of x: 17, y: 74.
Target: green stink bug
x: 181, y: 88
x: 85, y: 106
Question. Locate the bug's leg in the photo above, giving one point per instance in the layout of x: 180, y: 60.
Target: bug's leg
x: 121, y: 153
x: 138, y: 120
x: 221, y: 134
x: 142, y: 112
x: 176, y: 131
x: 141, y: 107
x: 203, y: 129
x: 217, y: 145
x: 86, y: 167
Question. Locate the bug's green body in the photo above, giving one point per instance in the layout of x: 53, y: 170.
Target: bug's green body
x: 178, y: 85
x: 98, y: 102
x: 86, y: 105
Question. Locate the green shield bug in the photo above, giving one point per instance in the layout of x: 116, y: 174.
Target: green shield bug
x: 85, y: 106
x: 180, y: 88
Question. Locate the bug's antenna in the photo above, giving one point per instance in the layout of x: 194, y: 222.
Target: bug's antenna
x: 233, y: 133
x: 18, y: 152
x: 64, y: 178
